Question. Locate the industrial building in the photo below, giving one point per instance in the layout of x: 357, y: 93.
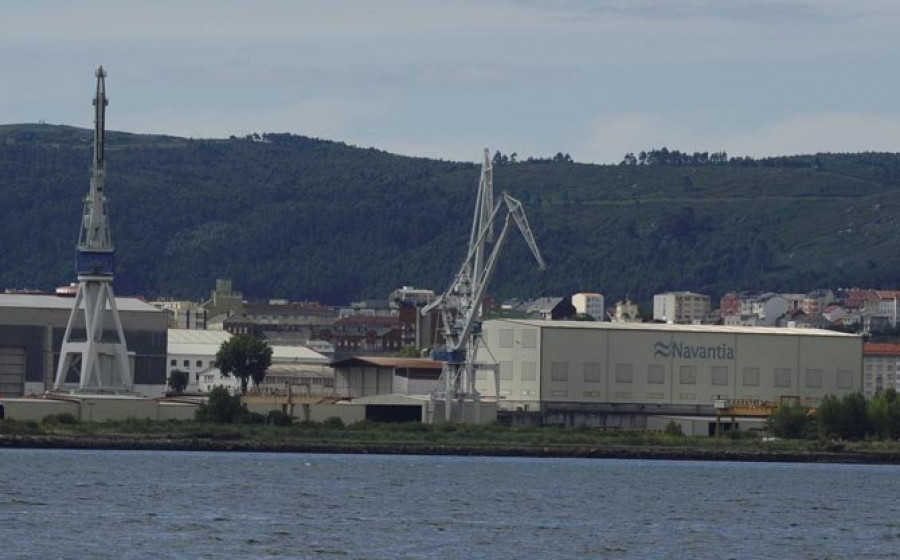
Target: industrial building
x: 649, y: 368
x: 31, y: 334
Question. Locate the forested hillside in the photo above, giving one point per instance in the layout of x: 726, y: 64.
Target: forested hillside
x: 300, y: 218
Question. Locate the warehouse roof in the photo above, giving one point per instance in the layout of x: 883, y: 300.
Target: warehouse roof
x: 31, y: 301
x: 388, y: 361
x: 715, y: 329
x: 207, y: 342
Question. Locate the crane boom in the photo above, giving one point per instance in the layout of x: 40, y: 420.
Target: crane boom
x: 460, y: 305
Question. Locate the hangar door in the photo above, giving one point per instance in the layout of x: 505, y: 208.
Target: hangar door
x: 12, y: 371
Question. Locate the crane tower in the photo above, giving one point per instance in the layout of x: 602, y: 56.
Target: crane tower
x: 460, y: 305
x: 94, y: 341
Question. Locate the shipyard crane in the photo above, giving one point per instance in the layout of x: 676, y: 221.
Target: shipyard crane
x: 94, y: 341
x: 460, y: 305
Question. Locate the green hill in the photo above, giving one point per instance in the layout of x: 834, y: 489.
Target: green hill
x: 301, y: 218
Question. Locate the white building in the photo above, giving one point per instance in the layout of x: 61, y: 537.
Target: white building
x: 881, y: 362
x: 681, y: 307
x: 194, y: 352
x: 591, y: 304
x: 665, y: 367
x: 762, y: 310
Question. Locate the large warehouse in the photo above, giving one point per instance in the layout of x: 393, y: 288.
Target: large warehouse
x: 662, y: 368
x: 31, y: 333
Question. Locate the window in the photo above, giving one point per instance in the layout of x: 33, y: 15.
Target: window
x: 719, y: 376
x: 656, y: 375
x: 845, y: 379
x: 813, y: 379
x: 506, y: 338
x: 559, y: 371
x: 506, y: 371
x: 623, y: 373
x: 173, y: 363
x: 592, y: 373
x: 187, y: 363
x: 751, y: 377
x: 529, y: 371
x: 529, y: 338
x: 199, y: 363
x: 782, y: 377
x: 687, y: 375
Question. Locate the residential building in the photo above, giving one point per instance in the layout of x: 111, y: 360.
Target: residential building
x: 183, y: 314
x: 681, y: 307
x: 592, y: 304
x: 881, y: 367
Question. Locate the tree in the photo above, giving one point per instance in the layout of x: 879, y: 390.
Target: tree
x: 789, y: 422
x: 178, y: 380
x: 245, y: 357
x: 221, y: 407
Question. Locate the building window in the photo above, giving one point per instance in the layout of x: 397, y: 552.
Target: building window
x: 187, y: 363
x: 199, y: 363
x: 592, y: 373
x: 687, y: 375
x: 173, y: 363
x: 845, y: 379
x: 813, y: 379
x: 529, y: 338
x: 559, y: 372
x: 506, y: 371
x: 719, y: 376
x: 624, y: 373
x: 529, y: 371
x: 751, y: 377
x: 506, y: 338
x: 656, y: 375
x: 782, y: 377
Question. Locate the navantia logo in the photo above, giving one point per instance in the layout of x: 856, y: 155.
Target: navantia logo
x: 692, y: 352
x: 661, y: 350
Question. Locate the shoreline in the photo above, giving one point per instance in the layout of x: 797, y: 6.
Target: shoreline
x: 121, y: 443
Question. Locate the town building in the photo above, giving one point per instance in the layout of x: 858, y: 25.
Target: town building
x: 681, y: 308
x: 183, y: 314
x: 593, y: 304
x: 881, y: 366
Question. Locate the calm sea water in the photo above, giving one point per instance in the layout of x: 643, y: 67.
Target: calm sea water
x: 139, y: 504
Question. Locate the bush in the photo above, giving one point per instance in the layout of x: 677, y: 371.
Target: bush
x: 221, y: 407
x: 789, y: 422
x: 20, y: 427
x: 279, y: 418
x: 61, y: 418
x: 247, y: 417
x: 673, y: 428
x: 333, y: 423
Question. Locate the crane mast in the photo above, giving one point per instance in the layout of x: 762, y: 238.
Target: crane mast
x: 460, y: 305
x: 94, y: 341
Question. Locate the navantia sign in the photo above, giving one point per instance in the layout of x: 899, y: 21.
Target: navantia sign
x: 684, y: 351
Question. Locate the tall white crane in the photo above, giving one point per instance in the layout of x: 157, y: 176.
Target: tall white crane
x: 99, y: 354
x: 460, y: 305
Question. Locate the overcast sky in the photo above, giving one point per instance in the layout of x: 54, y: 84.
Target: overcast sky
x: 445, y: 79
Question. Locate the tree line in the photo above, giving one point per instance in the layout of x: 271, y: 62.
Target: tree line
x: 850, y: 417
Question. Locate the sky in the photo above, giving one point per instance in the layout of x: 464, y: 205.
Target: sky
x: 445, y: 79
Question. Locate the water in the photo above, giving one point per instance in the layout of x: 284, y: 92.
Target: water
x: 141, y: 504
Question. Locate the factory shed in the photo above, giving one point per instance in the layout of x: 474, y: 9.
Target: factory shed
x: 31, y: 332
x: 616, y: 374
x: 367, y: 376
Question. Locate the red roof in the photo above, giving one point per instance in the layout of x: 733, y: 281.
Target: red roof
x: 881, y: 349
